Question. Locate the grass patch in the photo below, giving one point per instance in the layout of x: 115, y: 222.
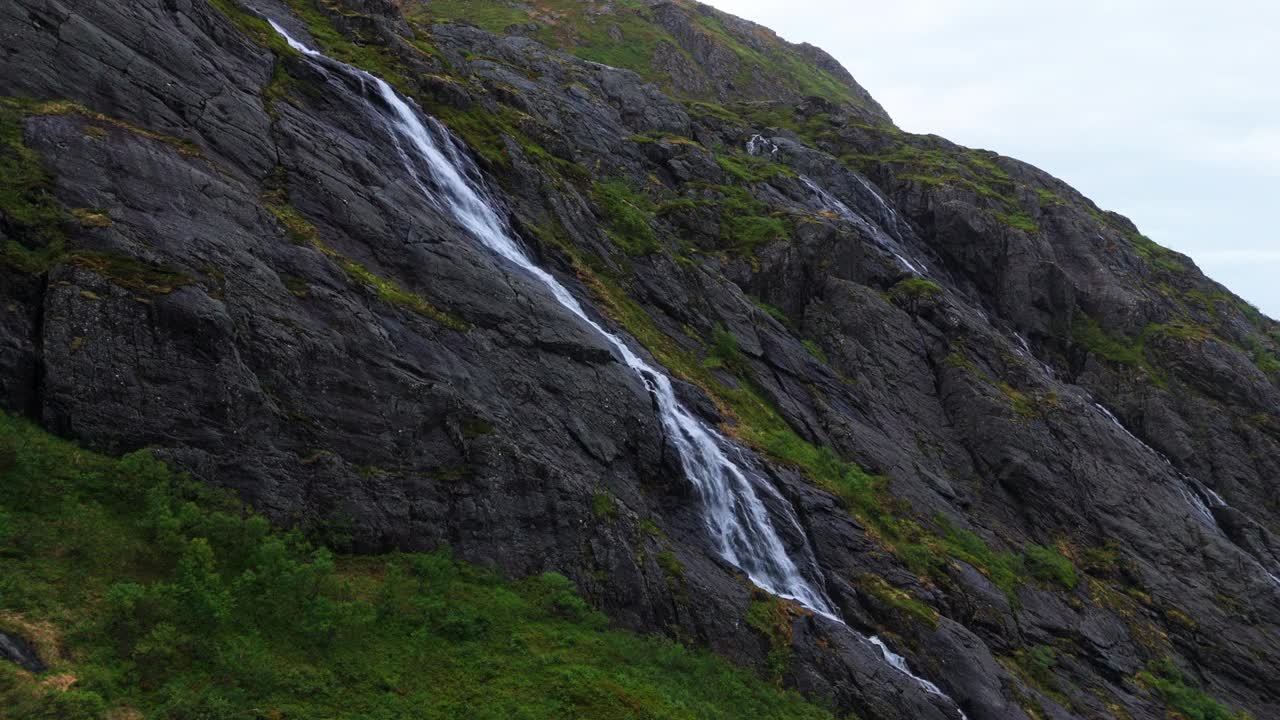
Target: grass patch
x: 724, y: 349
x: 1048, y: 564
x: 1003, y: 568
x: 1157, y: 255
x: 130, y: 273
x: 1165, y: 680
x: 745, y: 222
x: 914, y: 290
x: 259, y: 30
x: 171, y: 600
x: 1037, y: 663
x: 1089, y: 335
x: 628, y: 214
x: 391, y: 292
x: 772, y: 617
x: 771, y: 311
x: 1018, y: 220
x: 816, y: 351
x: 908, y: 608
x: 29, y: 215
x: 749, y: 169
x: 603, y: 506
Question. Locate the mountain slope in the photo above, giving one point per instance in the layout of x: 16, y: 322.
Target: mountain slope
x: 161, y: 597
x: 219, y: 253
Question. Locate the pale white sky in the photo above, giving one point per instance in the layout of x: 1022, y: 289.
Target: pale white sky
x: 1165, y: 111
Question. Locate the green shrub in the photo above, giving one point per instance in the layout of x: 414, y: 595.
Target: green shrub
x: 1087, y: 333
x: 1004, y: 569
x: 1164, y: 678
x: 1049, y: 565
x: 1038, y: 663
x: 628, y: 214
x: 914, y: 290
x: 1019, y: 220
x: 746, y: 232
x: 603, y: 506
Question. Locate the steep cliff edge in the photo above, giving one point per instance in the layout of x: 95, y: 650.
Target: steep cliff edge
x: 1030, y: 447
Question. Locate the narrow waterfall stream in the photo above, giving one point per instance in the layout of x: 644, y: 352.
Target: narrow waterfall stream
x: 834, y: 204
x: 1200, y: 497
x: 735, y: 515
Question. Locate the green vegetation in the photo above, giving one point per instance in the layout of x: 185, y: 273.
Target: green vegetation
x: 746, y: 232
x: 1263, y: 357
x: 671, y: 566
x: 625, y: 35
x: 1166, y: 681
x: 771, y: 311
x: 391, y: 292
x: 1158, y: 256
x: 744, y: 222
x: 150, y: 594
x: 29, y: 215
x: 913, y: 291
x: 1087, y: 333
x: 603, y: 506
x: 750, y: 169
x: 300, y: 231
x: 255, y: 27
x: 1037, y: 663
x: 1003, y: 568
x: 1048, y: 564
x: 902, y: 602
x: 628, y: 214
x: 724, y: 350
x: 372, y: 57
x: 1048, y: 198
x: 130, y: 273
x: 816, y: 351
x: 772, y: 617
x: 1019, y: 220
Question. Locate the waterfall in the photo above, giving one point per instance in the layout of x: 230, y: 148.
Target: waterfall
x: 1200, y: 497
x: 735, y: 516
x: 1190, y: 490
x: 757, y: 146
x: 833, y: 204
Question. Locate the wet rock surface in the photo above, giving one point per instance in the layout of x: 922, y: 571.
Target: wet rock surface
x: 19, y: 652
x: 221, y: 311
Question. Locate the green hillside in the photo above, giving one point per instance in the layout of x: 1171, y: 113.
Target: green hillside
x: 148, y: 593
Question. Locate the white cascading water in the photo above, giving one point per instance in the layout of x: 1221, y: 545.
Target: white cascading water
x: 833, y: 204
x: 1199, y: 496
x: 736, y: 517
x: 1190, y: 489
x: 884, y: 206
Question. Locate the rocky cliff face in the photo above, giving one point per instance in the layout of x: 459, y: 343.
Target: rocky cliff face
x: 1031, y: 448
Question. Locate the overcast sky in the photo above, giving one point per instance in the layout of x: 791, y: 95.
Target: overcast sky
x: 1167, y: 112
